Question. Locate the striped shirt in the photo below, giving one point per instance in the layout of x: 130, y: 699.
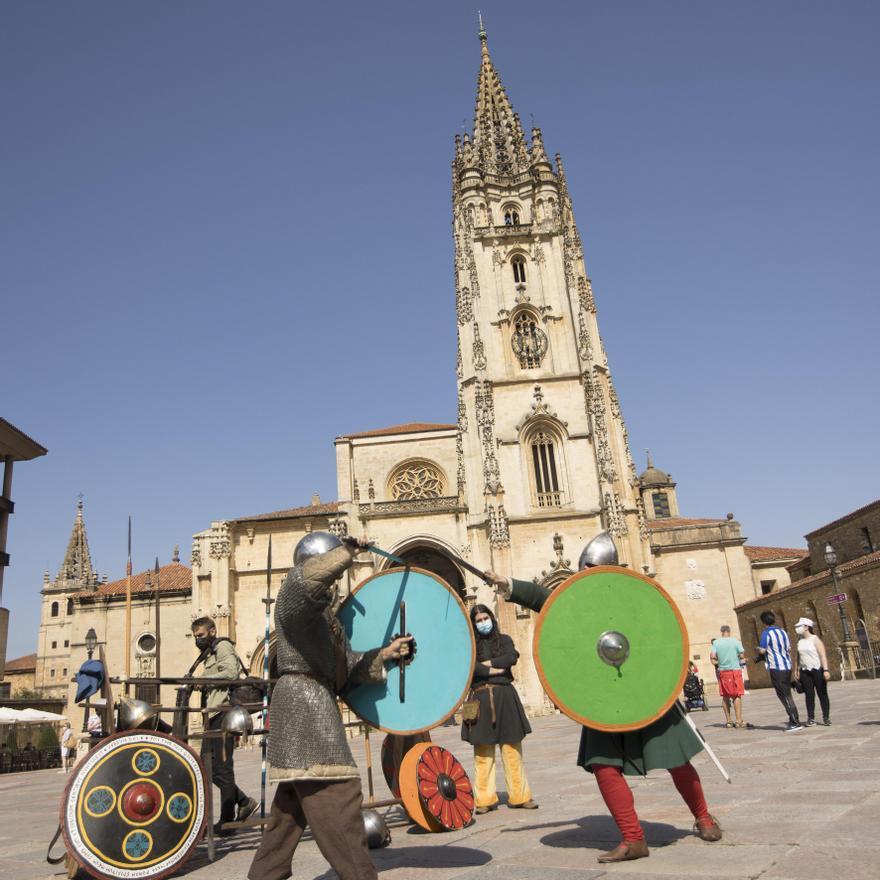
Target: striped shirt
x: 776, y: 643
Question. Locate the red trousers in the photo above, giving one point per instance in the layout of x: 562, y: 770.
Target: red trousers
x: 619, y: 799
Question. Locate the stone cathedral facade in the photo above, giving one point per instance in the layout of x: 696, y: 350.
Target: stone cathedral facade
x: 537, y: 462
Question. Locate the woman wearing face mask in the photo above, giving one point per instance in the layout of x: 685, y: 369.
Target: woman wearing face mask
x: 501, y: 720
x: 811, y: 666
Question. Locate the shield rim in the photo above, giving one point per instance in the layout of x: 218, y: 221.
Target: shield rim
x: 410, y: 796
x: 473, y: 642
x: 65, y: 795
x: 539, y: 626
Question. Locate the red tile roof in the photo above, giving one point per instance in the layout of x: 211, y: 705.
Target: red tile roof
x: 28, y: 663
x: 767, y: 554
x: 408, y: 428
x: 672, y: 522
x: 173, y: 577
x: 293, y: 512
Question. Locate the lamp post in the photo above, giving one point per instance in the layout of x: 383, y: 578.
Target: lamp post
x: 831, y: 561
x: 91, y: 644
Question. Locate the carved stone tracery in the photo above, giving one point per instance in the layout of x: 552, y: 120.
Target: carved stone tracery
x: 420, y: 479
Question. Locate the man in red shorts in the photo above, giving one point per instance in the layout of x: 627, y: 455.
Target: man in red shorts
x: 726, y: 655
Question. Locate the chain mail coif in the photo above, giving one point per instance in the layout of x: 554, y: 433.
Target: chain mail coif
x: 307, y: 739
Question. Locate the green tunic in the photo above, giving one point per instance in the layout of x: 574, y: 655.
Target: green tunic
x: 668, y: 742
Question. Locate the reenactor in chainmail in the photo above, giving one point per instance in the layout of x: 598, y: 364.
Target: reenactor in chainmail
x: 319, y: 784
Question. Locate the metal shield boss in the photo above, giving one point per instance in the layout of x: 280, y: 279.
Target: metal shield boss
x: 135, y: 806
x: 611, y: 649
x: 439, y: 675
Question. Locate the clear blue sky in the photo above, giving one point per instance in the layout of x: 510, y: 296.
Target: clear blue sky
x: 225, y: 239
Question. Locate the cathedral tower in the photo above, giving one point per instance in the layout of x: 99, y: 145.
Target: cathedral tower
x: 542, y: 445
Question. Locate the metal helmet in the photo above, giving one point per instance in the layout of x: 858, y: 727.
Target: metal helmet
x: 600, y: 551
x: 133, y: 714
x: 314, y: 544
x: 376, y: 829
x: 238, y: 722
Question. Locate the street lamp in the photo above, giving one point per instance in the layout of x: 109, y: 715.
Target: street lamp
x: 91, y: 644
x: 831, y: 562
x: 91, y: 641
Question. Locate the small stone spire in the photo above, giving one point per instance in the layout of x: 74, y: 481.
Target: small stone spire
x: 76, y: 569
x: 650, y: 460
x: 175, y: 557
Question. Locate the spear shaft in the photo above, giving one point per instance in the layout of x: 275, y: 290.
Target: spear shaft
x: 265, y: 714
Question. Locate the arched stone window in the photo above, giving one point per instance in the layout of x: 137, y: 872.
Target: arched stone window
x: 529, y: 342
x: 53, y: 611
x: 545, y: 469
x: 660, y: 500
x: 70, y: 606
x: 511, y: 217
x: 518, y: 264
x: 416, y: 479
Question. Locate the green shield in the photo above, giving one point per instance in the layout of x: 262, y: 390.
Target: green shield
x: 590, y: 673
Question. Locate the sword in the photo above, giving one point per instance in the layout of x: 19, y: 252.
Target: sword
x: 706, y: 745
x: 462, y: 562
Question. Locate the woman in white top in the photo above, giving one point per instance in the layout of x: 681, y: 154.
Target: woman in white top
x: 67, y: 746
x: 811, y: 666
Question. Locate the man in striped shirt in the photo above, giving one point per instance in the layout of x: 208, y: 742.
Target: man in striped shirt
x: 775, y: 646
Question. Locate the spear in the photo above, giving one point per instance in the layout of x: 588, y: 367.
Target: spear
x: 268, y: 603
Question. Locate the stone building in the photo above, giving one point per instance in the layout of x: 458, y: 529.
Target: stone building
x: 537, y: 462
x: 850, y: 629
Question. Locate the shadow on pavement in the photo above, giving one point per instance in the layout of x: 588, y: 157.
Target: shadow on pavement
x: 592, y: 831
x: 417, y: 857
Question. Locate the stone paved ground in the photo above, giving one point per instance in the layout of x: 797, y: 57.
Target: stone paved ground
x: 803, y: 806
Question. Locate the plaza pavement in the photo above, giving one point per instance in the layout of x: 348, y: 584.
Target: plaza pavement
x: 802, y: 806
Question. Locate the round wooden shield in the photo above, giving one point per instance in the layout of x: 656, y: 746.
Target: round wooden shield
x: 439, y: 675
x: 435, y: 790
x: 611, y: 649
x: 135, y: 806
x: 394, y: 749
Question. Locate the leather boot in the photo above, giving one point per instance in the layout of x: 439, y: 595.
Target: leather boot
x: 626, y: 851
x: 710, y: 832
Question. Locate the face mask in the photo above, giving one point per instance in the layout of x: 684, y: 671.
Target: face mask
x: 203, y: 642
x: 484, y: 627
x: 799, y: 630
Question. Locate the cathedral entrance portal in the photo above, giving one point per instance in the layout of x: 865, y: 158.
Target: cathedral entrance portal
x: 437, y: 562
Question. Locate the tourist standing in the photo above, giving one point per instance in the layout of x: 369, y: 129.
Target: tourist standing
x: 67, y: 746
x: 501, y: 720
x: 726, y: 655
x: 775, y: 647
x: 811, y: 667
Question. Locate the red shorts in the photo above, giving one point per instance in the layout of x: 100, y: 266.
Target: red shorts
x: 730, y: 683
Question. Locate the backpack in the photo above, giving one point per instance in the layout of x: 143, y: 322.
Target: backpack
x: 249, y: 691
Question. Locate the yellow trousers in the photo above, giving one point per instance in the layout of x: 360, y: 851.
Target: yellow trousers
x: 518, y: 791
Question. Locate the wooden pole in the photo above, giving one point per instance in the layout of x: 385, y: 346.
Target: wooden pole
x: 128, y: 613
x: 158, y: 632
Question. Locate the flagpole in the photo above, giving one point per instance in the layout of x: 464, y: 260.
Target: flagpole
x: 128, y: 612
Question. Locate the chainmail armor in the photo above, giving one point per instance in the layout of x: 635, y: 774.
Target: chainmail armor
x: 307, y: 739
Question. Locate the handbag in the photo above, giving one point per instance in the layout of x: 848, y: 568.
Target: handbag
x: 470, y: 709
x: 796, y: 685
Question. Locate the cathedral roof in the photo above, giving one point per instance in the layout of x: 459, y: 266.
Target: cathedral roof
x: 326, y: 509
x: 172, y: 578
x: 769, y: 554
x: 408, y: 428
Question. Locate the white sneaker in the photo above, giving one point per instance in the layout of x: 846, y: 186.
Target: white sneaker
x: 789, y: 728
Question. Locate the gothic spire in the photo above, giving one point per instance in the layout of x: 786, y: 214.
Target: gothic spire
x: 76, y: 569
x: 498, y: 135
